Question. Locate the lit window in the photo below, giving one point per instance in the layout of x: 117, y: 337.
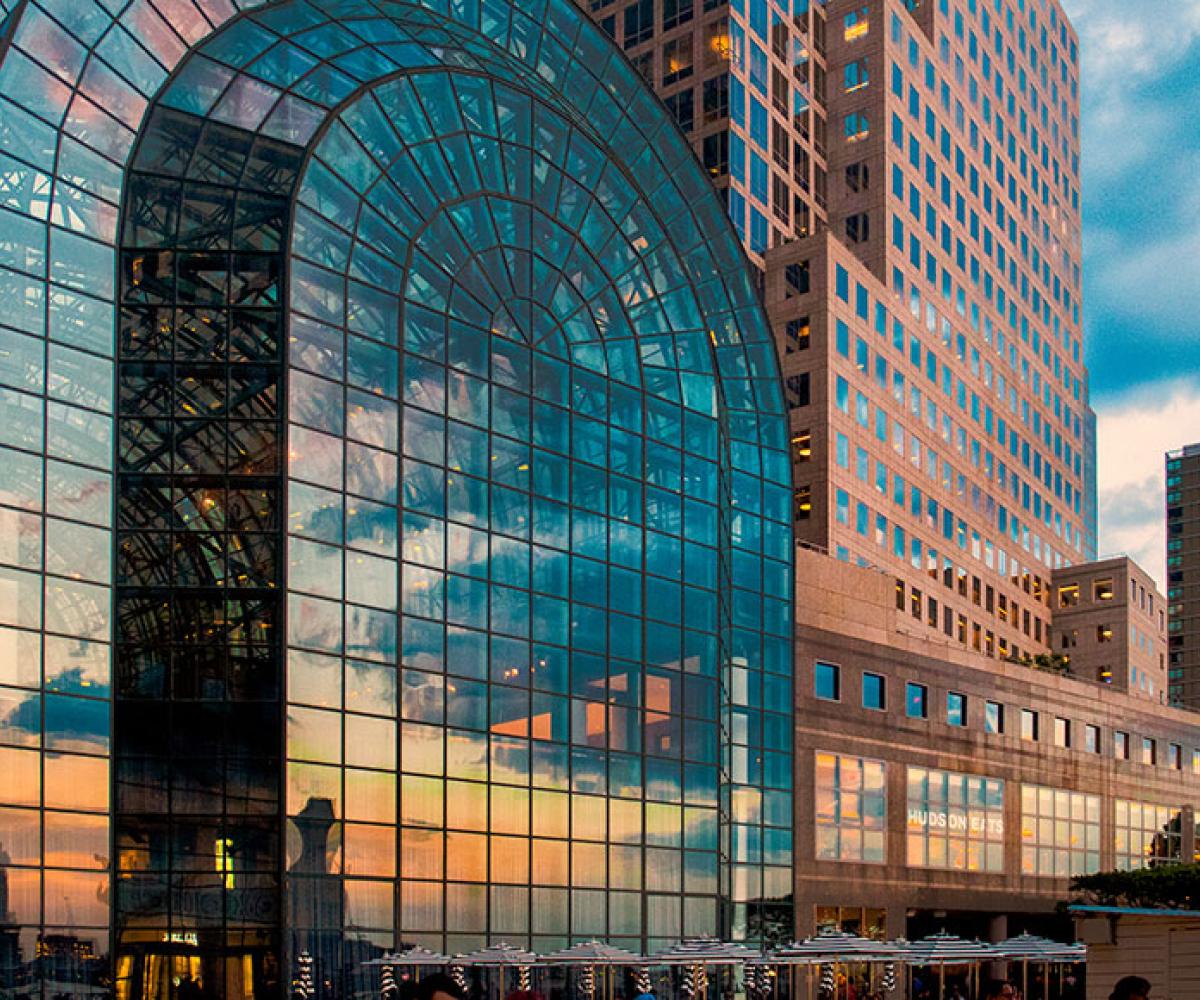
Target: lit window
x: 1102, y: 590
x: 955, y: 821
x: 798, y: 334
x: 1145, y: 834
x: 1104, y: 633
x: 802, y: 446
x: 857, y: 23
x: 802, y: 503
x: 855, y: 126
x: 851, y: 809
x: 1068, y: 595
x: 1060, y: 832
x: 828, y: 682
x: 856, y: 75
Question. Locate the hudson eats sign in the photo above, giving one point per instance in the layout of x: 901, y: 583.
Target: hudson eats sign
x: 955, y: 821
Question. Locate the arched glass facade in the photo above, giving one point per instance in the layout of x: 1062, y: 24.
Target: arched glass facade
x: 447, y: 486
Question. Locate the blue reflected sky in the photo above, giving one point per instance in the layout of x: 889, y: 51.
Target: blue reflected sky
x: 1141, y: 226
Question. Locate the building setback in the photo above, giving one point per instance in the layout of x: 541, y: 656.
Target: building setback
x: 1183, y: 575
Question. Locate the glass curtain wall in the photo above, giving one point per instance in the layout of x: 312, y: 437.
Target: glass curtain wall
x: 452, y: 506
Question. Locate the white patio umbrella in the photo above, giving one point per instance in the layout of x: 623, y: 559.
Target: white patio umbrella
x: 834, y: 947
x: 1026, y: 948
x: 500, y: 956
x: 412, y: 957
x: 944, y: 949
x: 698, y: 953
x: 590, y: 955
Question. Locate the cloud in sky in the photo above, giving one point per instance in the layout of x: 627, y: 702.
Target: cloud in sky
x: 1140, y: 188
x: 1135, y: 432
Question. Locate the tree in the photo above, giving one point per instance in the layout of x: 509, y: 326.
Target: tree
x: 1175, y: 887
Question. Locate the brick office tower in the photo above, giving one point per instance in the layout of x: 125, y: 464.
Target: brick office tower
x: 1183, y: 575
x: 905, y: 175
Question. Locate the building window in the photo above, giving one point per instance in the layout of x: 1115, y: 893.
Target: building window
x: 677, y: 12
x: 1068, y: 595
x: 1029, y: 725
x: 1062, y: 732
x: 993, y: 717
x: 916, y: 702
x: 856, y: 24
x: 1120, y: 745
x: 874, y: 692
x: 802, y: 503
x: 677, y: 60
x: 828, y: 682
x: 1145, y: 834
x: 955, y: 821
x: 796, y: 389
x: 716, y: 98
x: 715, y: 154
x: 802, y: 446
x: 855, y: 77
x: 1149, y: 751
x: 851, y: 809
x: 682, y: 108
x: 797, y: 335
x: 855, y: 126
x: 956, y: 709
x: 1104, y: 633
x: 1091, y: 738
x: 858, y: 177
x: 1175, y: 757
x: 858, y: 227
x: 1102, y: 590
x: 1060, y: 832
x: 1196, y: 762
x: 639, y: 22
x: 863, y: 921
x: 796, y: 279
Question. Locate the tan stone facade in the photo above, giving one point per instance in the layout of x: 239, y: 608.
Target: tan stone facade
x: 1110, y: 624
x: 1082, y: 740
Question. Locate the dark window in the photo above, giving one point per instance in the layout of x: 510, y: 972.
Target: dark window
x: 677, y: 60
x: 716, y: 98
x: 682, y: 107
x: 916, y: 700
x: 796, y: 279
x: 827, y: 682
x: 874, y: 692
x: 716, y: 154
x: 639, y: 22
x: 796, y: 389
x: 677, y: 12
x: 857, y: 177
x: 797, y: 335
x: 858, y: 227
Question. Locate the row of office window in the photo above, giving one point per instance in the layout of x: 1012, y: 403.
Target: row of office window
x: 1032, y: 725
x: 955, y: 822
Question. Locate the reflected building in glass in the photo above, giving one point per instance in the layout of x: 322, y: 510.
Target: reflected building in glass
x: 396, y: 521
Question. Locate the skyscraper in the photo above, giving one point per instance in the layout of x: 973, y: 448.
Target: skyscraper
x: 396, y: 528
x: 1183, y: 575
x: 907, y: 173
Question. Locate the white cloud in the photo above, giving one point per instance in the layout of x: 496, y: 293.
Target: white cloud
x: 1134, y: 433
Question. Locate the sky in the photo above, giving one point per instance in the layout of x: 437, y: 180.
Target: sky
x: 1141, y: 250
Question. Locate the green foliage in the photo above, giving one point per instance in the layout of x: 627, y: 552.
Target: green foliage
x: 1175, y: 887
